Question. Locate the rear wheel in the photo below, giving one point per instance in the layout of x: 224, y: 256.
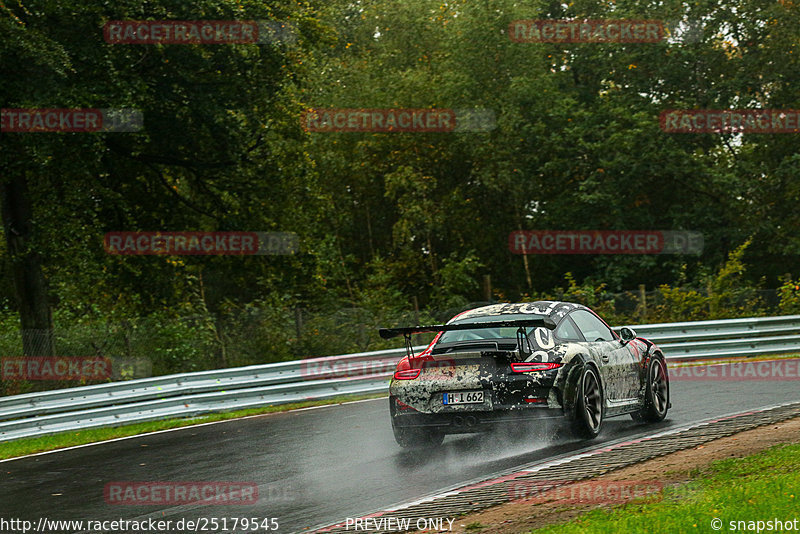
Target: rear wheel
x: 656, y: 394
x: 588, y: 405
x: 417, y: 437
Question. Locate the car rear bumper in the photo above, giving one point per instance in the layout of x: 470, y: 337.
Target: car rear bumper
x: 472, y: 421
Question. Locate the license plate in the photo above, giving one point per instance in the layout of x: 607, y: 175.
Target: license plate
x: 463, y: 397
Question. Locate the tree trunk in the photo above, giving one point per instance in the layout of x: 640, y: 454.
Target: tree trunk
x: 35, y: 315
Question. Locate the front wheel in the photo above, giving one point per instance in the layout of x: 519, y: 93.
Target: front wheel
x: 417, y: 437
x: 656, y: 394
x: 588, y: 405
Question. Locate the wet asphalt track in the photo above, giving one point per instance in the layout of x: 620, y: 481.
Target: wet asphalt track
x: 315, y: 466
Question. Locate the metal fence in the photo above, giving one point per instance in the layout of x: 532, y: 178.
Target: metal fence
x: 193, y: 394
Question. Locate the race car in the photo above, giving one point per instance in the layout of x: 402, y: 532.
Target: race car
x: 501, y: 364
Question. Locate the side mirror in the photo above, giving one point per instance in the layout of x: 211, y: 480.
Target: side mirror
x: 627, y: 334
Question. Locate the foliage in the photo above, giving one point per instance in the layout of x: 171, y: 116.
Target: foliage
x: 730, y: 295
x: 681, y: 304
x: 458, y: 280
x: 789, y: 293
x: 386, y: 220
x: 588, y: 294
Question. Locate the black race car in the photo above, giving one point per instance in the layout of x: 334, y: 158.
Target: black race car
x: 505, y: 363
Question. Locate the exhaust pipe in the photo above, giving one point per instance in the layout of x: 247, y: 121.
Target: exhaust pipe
x: 458, y: 421
x: 471, y: 421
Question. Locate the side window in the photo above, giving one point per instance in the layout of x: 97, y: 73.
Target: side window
x: 592, y: 328
x: 567, y: 331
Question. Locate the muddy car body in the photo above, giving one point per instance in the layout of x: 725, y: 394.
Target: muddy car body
x: 505, y: 363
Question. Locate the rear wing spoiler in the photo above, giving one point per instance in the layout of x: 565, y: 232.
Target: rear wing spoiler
x: 389, y: 333
x: 520, y: 324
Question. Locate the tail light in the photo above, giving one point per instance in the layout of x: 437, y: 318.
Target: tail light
x: 407, y: 374
x: 404, y: 370
x: 527, y: 367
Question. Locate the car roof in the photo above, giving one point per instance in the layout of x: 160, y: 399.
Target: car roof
x: 549, y: 308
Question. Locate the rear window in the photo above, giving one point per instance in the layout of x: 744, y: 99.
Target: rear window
x: 504, y: 332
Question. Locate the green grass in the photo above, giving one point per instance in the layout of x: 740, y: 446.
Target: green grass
x: 762, y: 487
x: 21, y: 447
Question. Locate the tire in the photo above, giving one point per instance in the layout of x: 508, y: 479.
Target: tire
x: 588, y: 416
x: 656, y: 394
x: 417, y: 437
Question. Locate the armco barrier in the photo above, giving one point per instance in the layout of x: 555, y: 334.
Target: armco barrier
x: 192, y: 394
